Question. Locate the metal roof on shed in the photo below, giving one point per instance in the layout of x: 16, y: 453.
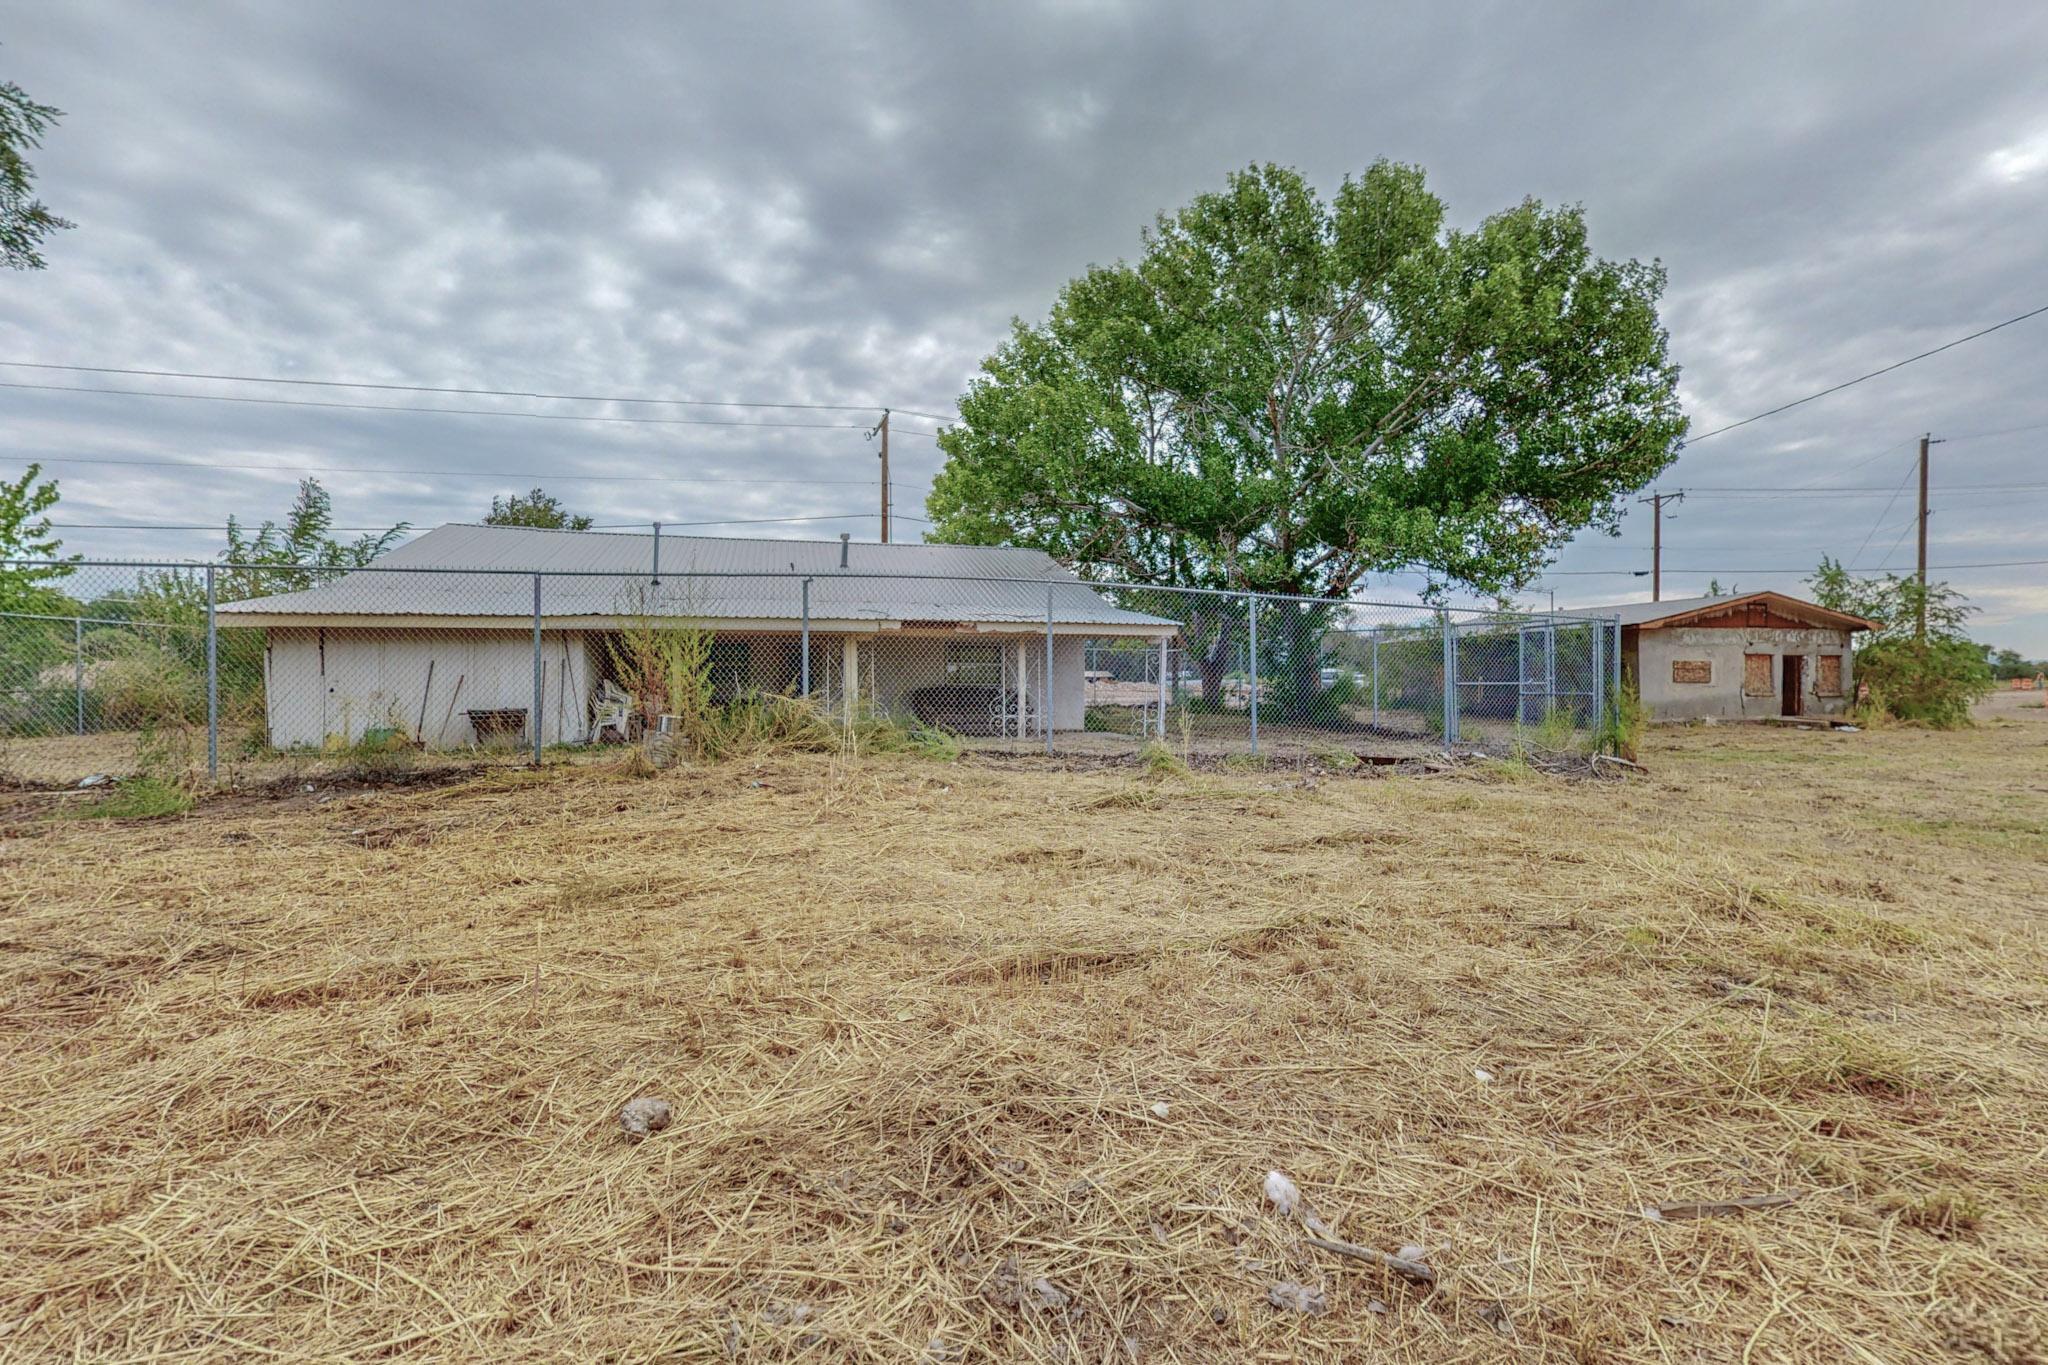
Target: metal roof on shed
x: 1672, y: 609
x: 602, y: 574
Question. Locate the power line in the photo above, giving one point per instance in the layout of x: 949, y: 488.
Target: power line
x: 1851, y: 383
x: 602, y: 526
x: 445, y: 412
x: 1805, y: 568
x: 549, y: 476
x: 1911, y: 466
x: 463, y: 392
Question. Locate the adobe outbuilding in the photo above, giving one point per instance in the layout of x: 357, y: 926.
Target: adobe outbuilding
x: 1752, y: 656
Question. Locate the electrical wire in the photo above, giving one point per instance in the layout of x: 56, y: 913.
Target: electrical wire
x: 602, y: 526
x: 1911, y: 465
x: 445, y: 412
x: 1851, y: 383
x: 1805, y: 568
x: 549, y: 476
x: 463, y: 392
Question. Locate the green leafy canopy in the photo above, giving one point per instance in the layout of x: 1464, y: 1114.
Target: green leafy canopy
x: 26, y: 535
x: 24, y: 220
x: 1287, y: 395
x: 538, y: 508
x: 302, y: 541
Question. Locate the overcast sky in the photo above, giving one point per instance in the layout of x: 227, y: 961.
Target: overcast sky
x: 847, y: 203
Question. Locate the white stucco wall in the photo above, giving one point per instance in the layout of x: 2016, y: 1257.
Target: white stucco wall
x: 1723, y: 648
x: 327, y: 686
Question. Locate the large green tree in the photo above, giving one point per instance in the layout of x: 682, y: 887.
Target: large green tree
x: 285, y: 555
x: 24, y: 220
x: 1288, y: 395
x: 539, y: 508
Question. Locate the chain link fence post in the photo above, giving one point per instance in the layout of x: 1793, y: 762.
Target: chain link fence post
x: 1163, y: 663
x: 1598, y: 683
x: 1375, y: 677
x: 78, y: 672
x: 1045, y: 693
x: 535, y: 725
x: 212, y: 683
x: 1615, y: 666
x: 1549, y: 666
x: 1450, y: 701
x: 1251, y: 608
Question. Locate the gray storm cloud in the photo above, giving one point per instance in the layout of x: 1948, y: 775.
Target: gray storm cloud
x: 847, y: 204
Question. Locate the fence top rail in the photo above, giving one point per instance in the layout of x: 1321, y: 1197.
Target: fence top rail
x: 1115, y: 585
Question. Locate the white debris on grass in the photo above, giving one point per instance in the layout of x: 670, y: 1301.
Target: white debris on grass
x: 1297, y: 1298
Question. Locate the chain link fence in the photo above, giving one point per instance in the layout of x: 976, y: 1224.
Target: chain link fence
x: 254, y: 672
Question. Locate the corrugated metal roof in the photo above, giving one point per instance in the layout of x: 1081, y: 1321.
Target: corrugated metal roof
x: 707, y: 577
x: 1645, y: 613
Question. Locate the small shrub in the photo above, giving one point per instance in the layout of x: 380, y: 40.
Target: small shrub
x: 1556, y: 733
x: 1933, y: 682
x: 1622, y: 725
x: 137, y: 798
x: 876, y: 731
x: 165, y: 751
x: 379, y: 756
x: 1514, y: 768
x: 147, y: 685
x: 1159, y: 761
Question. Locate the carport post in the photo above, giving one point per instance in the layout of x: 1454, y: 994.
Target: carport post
x: 535, y: 727
x: 1251, y: 608
x: 78, y: 670
x: 805, y: 668
x: 212, y: 684
x: 1046, y: 694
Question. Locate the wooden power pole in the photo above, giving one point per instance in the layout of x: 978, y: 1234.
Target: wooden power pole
x: 1920, y: 631
x: 882, y: 427
x: 1657, y: 501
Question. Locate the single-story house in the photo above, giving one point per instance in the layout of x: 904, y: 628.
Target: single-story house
x: 436, y: 641
x: 1742, y: 657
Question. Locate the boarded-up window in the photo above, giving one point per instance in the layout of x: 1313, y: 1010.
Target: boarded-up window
x: 1692, y: 670
x: 1828, y: 682
x: 1759, y: 679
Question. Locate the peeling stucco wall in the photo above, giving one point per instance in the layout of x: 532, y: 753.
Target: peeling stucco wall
x: 1722, y: 648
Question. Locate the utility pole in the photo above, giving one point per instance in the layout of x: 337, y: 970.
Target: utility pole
x: 1657, y: 501
x: 1921, y: 629
x: 882, y: 428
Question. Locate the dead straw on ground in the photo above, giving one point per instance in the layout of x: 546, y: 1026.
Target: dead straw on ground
x: 978, y: 1063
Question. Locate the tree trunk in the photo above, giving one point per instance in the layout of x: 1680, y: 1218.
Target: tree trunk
x: 1298, y: 643
x: 1212, y: 659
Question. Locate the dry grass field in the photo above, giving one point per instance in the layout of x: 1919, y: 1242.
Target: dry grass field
x: 980, y: 1062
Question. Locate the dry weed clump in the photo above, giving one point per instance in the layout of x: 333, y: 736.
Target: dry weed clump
x: 974, y: 1063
